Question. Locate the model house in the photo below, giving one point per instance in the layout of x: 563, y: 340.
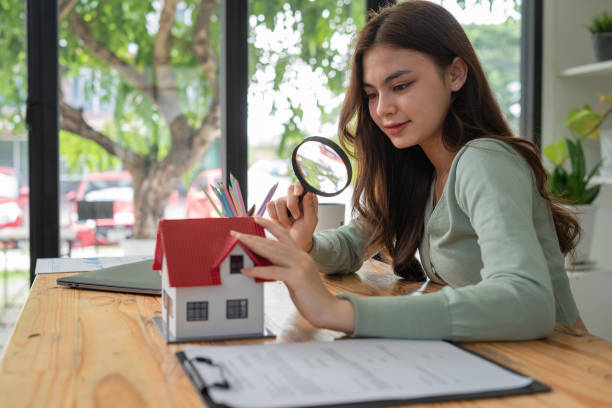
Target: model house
x: 204, y: 294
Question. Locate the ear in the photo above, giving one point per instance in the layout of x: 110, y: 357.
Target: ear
x: 456, y: 74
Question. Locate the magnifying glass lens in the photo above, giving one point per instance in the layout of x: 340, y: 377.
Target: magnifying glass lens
x: 321, y: 166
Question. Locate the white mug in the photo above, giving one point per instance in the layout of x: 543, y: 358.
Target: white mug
x: 331, y: 215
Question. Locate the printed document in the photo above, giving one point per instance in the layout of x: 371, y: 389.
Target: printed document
x: 58, y: 265
x: 346, y: 371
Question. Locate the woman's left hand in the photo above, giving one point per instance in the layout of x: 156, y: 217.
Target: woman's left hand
x: 296, y: 269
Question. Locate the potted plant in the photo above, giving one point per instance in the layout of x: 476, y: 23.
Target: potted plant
x: 574, y: 184
x: 601, y: 34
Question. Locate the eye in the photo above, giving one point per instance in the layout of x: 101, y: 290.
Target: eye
x: 402, y: 86
x: 370, y: 96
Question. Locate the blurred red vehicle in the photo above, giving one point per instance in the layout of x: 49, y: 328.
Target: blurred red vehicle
x: 13, y: 199
x: 196, y: 203
x: 102, y: 208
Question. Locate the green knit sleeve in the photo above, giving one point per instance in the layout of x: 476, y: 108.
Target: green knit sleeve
x: 514, y: 300
x: 340, y: 250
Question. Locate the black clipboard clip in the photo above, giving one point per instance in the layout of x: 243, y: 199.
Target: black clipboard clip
x: 198, y: 380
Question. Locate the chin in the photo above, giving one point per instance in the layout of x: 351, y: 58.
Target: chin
x: 402, y: 142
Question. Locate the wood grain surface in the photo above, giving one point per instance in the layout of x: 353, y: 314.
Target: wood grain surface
x: 80, y: 348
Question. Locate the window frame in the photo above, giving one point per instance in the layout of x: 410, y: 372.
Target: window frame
x: 43, y: 105
x: 200, y: 306
x: 234, y: 269
x: 234, y: 309
x: 42, y: 119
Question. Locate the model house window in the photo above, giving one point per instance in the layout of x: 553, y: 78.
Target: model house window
x: 236, y: 263
x: 237, y: 309
x: 197, y: 311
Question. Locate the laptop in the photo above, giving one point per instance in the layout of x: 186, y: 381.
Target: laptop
x: 136, y: 277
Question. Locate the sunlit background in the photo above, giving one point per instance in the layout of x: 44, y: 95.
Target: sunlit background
x: 123, y: 85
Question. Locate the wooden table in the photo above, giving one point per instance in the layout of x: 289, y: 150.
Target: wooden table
x: 95, y: 349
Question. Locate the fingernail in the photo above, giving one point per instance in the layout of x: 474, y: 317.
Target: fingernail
x: 245, y: 271
x: 233, y: 233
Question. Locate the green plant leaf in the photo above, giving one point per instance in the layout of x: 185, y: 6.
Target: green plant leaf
x: 605, y: 98
x: 593, y: 171
x: 590, y: 195
x: 572, y: 185
x: 584, y: 121
x: 576, y: 157
x: 556, y: 152
x: 558, y: 181
x: 601, y: 23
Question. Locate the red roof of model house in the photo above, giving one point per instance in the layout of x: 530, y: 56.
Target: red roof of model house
x: 194, y: 248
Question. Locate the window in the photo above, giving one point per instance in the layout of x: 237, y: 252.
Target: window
x: 126, y: 77
x: 197, y: 311
x: 494, y: 28
x: 300, y: 52
x: 236, y: 263
x: 14, y: 163
x: 237, y: 309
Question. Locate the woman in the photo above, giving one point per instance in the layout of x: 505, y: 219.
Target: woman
x: 440, y: 171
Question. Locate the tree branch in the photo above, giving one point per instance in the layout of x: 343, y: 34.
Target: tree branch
x: 163, y: 38
x: 165, y: 88
x: 65, y: 7
x: 211, y: 126
x: 201, y: 41
x: 209, y: 129
x: 100, y: 51
x: 72, y: 120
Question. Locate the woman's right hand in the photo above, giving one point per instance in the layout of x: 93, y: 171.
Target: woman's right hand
x: 303, y: 220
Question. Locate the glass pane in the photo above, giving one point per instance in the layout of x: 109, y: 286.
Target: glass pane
x: 139, y: 106
x: 494, y: 28
x: 299, y: 53
x: 14, y: 190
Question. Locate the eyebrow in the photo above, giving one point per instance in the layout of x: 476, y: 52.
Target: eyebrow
x: 390, y: 77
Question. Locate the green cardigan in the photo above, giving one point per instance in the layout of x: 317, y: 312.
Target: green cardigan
x: 490, y: 239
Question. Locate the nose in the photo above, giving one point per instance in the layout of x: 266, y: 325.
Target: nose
x: 386, y: 105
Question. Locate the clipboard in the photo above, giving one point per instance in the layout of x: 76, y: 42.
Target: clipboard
x: 203, y: 388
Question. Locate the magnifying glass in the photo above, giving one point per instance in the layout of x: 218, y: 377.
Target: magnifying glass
x: 321, y: 166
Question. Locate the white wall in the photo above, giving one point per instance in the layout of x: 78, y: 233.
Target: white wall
x: 567, y: 43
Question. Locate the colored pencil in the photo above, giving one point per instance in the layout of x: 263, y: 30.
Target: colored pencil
x: 209, y: 198
x: 262, y: 209
x: 229, y: 200
x: 251, y: 211
x: 226, y: 210
x: 230, y: 190
x: 238, y: 192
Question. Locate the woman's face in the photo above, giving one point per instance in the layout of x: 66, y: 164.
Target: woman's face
x: 408, y: 95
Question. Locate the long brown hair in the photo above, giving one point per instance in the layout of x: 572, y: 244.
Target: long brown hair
x: 392, y: 185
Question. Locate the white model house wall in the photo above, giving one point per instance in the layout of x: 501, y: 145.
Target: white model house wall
x: 233, y: 286
x: 170, y: 292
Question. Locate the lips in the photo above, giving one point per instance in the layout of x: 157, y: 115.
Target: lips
x: 395, y: 128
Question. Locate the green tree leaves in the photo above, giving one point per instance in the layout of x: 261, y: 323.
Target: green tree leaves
x: 317, y: 36
x: 499, y: 49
